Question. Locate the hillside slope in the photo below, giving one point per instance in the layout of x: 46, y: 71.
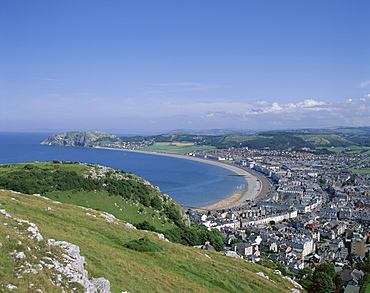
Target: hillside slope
x: 102, y: 242
x: 123, y: 194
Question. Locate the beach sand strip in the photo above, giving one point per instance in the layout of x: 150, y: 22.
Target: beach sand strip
x: 254, y: 188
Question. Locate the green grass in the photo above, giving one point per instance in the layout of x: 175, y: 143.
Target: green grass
x: 175, y: 269
x: 130, y: 210
x: 121, y: 208
x: 353, y: 149
x: 360, y: 171
x: 169, y: 147
x: 65, y: 166
x: 367, y: 288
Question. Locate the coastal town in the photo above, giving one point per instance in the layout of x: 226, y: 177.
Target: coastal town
x: 316, y: 210
x: 303, y: 211
x: 300, y: 209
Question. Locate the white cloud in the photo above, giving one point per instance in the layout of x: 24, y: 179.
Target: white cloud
x: 263, y: 107
x: 175, y: 113
x: 310, y: 103
x: 364, y: 84
x: 307, y: 113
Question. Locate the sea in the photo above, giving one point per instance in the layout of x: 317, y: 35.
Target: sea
x: 190, y: 183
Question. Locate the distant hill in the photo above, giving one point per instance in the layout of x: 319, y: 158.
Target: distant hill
x: 216, y: 132
x: 265, y: 140
x: 360, y: 135
x: 360, y: 130
x: 272, y: 140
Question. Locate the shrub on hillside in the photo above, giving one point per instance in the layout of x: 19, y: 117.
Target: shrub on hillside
x: 144, y: 245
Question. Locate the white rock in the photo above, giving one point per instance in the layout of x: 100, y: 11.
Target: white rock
x: 30, y: 271
x: 11, y: 287
x: 128, y: 225
x: 296, y: 284
x: 39, y: 266
x: 161, y: 236
x: 73, y: 268
x: 70, y: 267
x: 20, y: 255
x: 110, y: 218
x: 35, y: 232
x: 264, y: 276
x: 102, y: 285
x: 5, y: 213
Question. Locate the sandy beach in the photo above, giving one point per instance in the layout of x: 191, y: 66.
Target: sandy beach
x: 257, y: 184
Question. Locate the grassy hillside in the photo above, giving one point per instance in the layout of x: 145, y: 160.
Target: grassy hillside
x: 351, y: 149
x: 272, y: 140
x: 123, y: 194
x: 126, y: 196
x: 176, y: 268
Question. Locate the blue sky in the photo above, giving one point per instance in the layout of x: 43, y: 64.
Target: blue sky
x: 155, y: 66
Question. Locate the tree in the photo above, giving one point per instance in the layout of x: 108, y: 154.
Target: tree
x: 350, y: 257
x: 305, y: 273
x: 156, y: 203
x: 216, y: 239
x: 326, y: 268
x: 145, y: 225
x: 322, y: 283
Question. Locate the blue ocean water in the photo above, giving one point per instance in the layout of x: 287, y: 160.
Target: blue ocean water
x: 188, y: 182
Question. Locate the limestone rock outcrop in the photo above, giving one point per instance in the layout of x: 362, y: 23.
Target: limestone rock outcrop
x: 77, y: 138
x: 66, y: 267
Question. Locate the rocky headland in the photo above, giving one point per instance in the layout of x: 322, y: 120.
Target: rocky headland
x: 78, y: 138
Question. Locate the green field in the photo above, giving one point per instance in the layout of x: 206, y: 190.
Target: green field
x: 170, y: 147
x: 353, y: 149
x: 360, y: 171
x: 176, y: 268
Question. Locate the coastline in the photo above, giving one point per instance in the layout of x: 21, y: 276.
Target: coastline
x: 257, y: 185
